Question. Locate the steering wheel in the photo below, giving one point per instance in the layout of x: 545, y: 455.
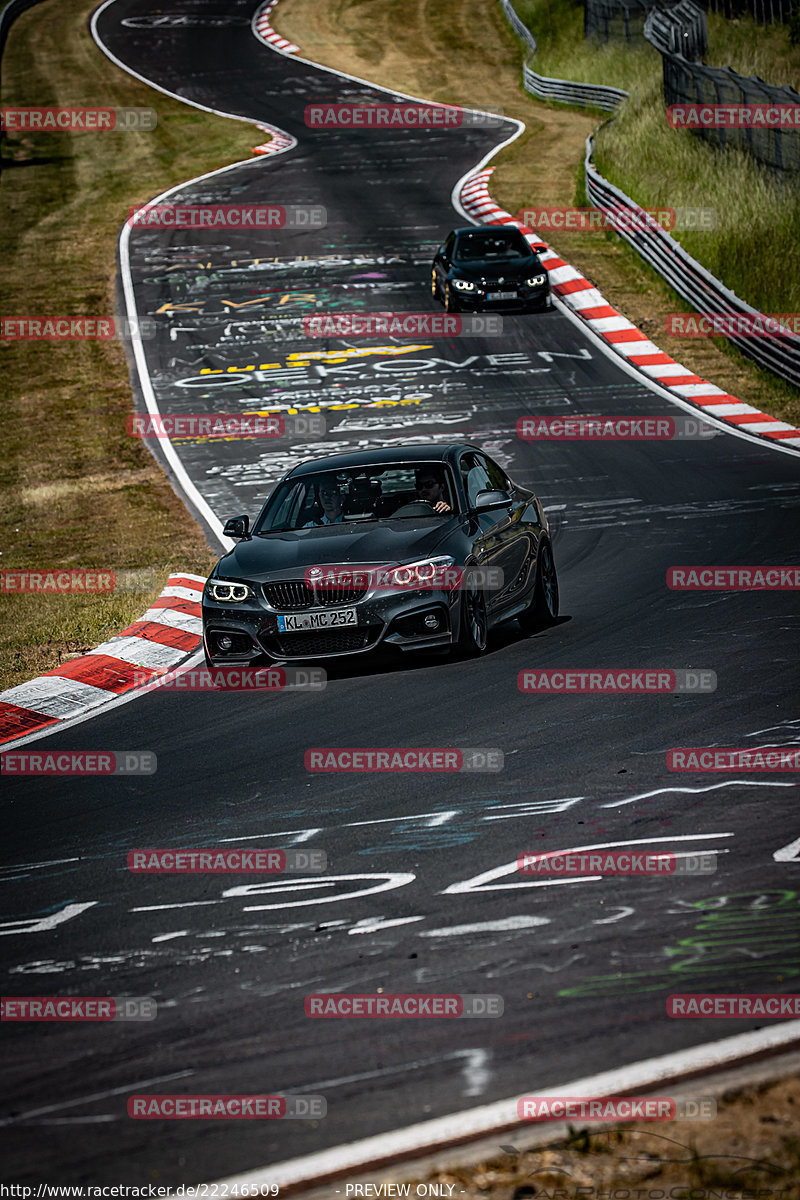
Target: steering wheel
x: 414, y: 508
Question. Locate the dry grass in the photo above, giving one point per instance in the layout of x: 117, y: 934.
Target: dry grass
x: 76, y: 491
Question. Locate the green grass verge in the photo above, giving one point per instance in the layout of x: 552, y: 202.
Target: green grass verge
x: 75, y: 490
x: 755, y: 249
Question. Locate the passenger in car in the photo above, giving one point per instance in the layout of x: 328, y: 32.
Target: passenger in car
x: 330, y: 500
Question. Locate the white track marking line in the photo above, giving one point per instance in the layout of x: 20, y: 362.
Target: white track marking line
x: 790, y: 853
x: 118, y: 1091
x: 443, y: 1132
x: 501, y: 926
x: 697, y: 790
x: 477, y: 881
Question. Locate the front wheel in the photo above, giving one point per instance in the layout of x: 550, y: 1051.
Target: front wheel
x: 473, y: 635
x: 543, y: 609
x: 449, y: 299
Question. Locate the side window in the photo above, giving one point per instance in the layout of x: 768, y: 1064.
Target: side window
x: 448, y: 246
x: 499, y: 480
x: 475, y: 476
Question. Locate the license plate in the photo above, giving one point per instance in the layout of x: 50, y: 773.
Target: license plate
x: 293, y: 622
x: 502, y: 295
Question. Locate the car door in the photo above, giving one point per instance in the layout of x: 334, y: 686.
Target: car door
x: 506, y: 536
x: 490, y: 539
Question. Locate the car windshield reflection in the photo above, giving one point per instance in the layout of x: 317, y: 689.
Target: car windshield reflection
x: 396, y: 491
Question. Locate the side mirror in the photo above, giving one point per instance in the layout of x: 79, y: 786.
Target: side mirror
x: 237, y: 527
x: 488, y: 501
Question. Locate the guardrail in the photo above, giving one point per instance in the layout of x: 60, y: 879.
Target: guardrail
x: 693, y: 282
x: 562, y: 91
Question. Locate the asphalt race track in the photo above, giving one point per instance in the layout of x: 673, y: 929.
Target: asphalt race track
x: 584, y: 968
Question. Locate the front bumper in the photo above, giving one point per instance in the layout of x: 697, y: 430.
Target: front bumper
x: 527, y: 298
x: 398, y: 621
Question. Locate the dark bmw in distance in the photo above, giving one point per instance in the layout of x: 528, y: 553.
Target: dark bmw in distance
x: 489, y: 267
x: 412, y: 547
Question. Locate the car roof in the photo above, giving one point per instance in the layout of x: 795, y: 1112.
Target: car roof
x: 399, y: 453
x: 493, y: 230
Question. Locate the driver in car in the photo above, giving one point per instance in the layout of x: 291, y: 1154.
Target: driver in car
x: 330, y: 499
x: 431, y: 487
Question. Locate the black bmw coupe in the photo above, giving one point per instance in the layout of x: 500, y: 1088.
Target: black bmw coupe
x: 489, y: 267
x: 412, y: 547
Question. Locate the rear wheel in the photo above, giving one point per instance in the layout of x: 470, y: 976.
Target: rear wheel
x: 434, y: 285
x: 473, y: 636
x: 543, y: 609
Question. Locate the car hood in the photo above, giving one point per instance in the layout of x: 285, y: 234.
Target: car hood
x: 288, y: 555
x: 490, y: 269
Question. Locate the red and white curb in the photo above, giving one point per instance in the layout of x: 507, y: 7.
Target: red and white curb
x: 621, y: 335
x: 160, y: 640
x: 280, y: 141
x: 263, y: 30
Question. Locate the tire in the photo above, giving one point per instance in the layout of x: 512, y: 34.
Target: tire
x: 449, y: 300
x: 473, y: 634
x: 543, y: 609
x: 434, y: 285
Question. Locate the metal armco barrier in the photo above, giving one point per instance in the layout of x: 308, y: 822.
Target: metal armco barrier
x: 563, y: 91
x: 585, y: 95
x: 694, y: 283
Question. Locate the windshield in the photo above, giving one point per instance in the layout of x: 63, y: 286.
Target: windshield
x: 396, y: 491
x: 472, y: 247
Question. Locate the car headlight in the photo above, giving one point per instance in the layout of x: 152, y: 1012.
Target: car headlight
x: 463, y: 285
x: 429, y: 574
x: 228, y: 591
x: 536, y: 280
